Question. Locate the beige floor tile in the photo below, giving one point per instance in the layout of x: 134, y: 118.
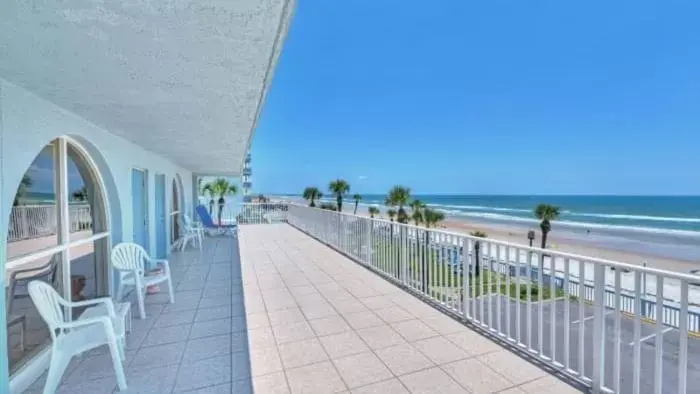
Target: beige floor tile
x: 261, y: 337
x: 293, y: 332
x: 329, y: 325
x: 265, y: 360
x: 318, y: 310
x: 286, y: 316
x: 393, y: 314
x: 519, y: 370
x: 257, y: 320
x: 300, y: 291
x: 442, y: 323
x: 343, y: 344
x: 431, y: 381
x: 547, y: 385
x: 512, y: 390
x: 320, y: 378
x: 300, y: 353
x: 380, y: 337
x: 414, y: 330
x: 364, y: 319
x: 274, y: 383
x: 361, y: 369
x: 473, y: 343
x: 476, y: 377
x: 391, y: 386
x: 403, y: 359
x: 280, y: 303
x: 377, y: 302
x: 440, y: 350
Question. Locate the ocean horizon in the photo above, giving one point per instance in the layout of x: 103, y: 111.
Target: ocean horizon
x: 668, y: 214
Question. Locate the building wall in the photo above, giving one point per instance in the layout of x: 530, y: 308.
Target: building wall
x: 28, y: 123
x: 4, y: 367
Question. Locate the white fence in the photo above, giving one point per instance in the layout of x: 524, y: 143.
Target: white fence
x: 251, y: 213
x: 34, y: 221
x: 589, y: 318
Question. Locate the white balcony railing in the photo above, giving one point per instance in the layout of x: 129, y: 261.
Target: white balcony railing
x: 591, y: 319
x: 252, y: 213
x: 34, y: 221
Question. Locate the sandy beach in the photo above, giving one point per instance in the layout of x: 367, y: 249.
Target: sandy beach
x: 519, y: 236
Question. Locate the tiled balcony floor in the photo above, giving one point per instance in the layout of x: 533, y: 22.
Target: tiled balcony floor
x: 198, y: 344
x: 320, y: 323
x: 309, y: 321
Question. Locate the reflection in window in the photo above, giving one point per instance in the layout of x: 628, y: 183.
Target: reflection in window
x: 33, y: 227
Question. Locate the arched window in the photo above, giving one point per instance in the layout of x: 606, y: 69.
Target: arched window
x: 58, y: 233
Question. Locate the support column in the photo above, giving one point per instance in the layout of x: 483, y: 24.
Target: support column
x: 63, y: 218
x: 4, y: 359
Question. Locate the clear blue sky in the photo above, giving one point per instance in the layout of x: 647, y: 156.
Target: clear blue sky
x: 490, y: 96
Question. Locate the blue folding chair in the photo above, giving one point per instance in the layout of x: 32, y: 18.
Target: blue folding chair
x: 211, y: 227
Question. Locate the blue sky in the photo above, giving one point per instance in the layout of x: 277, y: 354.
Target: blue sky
x: 494, y: 97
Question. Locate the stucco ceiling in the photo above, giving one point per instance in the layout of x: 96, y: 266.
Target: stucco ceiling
x: 185, y: 79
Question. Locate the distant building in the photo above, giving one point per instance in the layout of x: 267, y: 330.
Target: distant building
x: 247, y: 181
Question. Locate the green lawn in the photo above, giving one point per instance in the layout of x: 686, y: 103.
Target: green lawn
x: 442, y: 276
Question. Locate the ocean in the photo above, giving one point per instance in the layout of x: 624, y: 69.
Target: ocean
x: 665, y: 226
x: 663, y: 213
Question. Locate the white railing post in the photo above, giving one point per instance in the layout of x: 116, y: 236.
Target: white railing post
x: 403, y: 238
x: 369, y: 223
x: 599, y: 329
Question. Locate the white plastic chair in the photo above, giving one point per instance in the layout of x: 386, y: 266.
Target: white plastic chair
x: 130, y: 260
x: 70, y: 338
x: 192, y: 233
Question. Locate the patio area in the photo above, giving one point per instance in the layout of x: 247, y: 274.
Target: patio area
x: 294, y: 316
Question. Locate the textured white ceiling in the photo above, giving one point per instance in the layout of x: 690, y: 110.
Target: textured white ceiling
x: 183, y: 78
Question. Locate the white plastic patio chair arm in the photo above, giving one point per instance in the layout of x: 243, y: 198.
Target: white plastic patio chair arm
x: 109, y: 304
x: 104, y: 320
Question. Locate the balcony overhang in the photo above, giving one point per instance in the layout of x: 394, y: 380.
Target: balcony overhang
x: 185, y: 80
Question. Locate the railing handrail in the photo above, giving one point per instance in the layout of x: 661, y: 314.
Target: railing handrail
x: 72, y: 204
x: 695, y: 279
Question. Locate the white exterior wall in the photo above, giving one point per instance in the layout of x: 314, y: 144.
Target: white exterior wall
x: 28, y: 123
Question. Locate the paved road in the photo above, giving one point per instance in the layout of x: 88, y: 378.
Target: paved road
x: 670, y: 346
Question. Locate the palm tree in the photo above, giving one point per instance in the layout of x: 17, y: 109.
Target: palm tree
x: 432, y: 217
x: 357, y: 199
x: 24, y: 185
x: 311, y: 194
x: 391, y: 213
x: 373, y: 211
x: 221, y: 187
x: 208, y: 189
x: 81, y: 194
x: 477, y: 247
x: 417, y: 216
x: 417, y: 207
x: 399, y: 196
x: 546, y: 213
x: 339, y: 188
